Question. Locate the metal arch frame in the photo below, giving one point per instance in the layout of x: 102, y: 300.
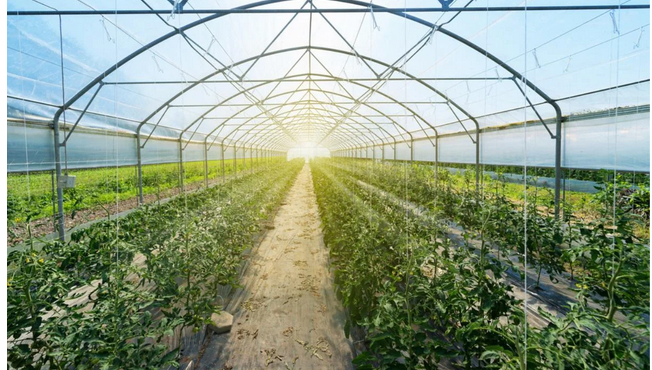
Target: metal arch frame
x: 223, y: 145
x: 258, y: 138
x: 291, y: 124
x: 394, y: 69
x: 338, y: 80
x: 503, y: 65
x: 322, y: 123
x: 167, y: 103
x: 287, y: 102
x: 250, y: 106
x: 371, y: 7
x: 261, y: 137
x: 335, y: 104
x: 277, y: 136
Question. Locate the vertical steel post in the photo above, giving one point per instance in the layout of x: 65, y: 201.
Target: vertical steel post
x: 139, y: 156
x: 557, y: 163
x: 57, y: 166
x: 181, y: 166
x: 223, y: 166
x: 477, y: 161
x: 436, y: 159
x: 54, y: 202
x: 411, y: 151
x: 205, y: 164
x: 235, y: 162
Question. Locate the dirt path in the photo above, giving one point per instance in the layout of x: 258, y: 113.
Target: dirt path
x: 286, y: 316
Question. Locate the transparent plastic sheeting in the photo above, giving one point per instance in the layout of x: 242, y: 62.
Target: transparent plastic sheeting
x: 620, y: 142
x: 568, y: 53
x: 30, y: 148
x: 616, y: 142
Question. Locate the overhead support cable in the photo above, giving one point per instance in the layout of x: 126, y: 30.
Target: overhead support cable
x: 376, y: 9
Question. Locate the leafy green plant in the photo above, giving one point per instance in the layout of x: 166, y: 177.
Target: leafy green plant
x: 109, y: 297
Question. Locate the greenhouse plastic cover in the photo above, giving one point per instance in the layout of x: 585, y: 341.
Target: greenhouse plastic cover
x: 334, y: 80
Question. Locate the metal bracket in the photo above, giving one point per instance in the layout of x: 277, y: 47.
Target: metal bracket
x: 178, y: 7
x: 445, y: 4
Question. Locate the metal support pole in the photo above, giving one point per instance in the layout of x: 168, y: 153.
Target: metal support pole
x: 477, y: 161
x: 235, y: 162
x: 57, y: 166
x: 205, y: 164
x: 411, y: 151
x: 557, y: 164
x: 181, y: 166
x: 223, y: 166
x: 54, y: 202
x: 139, y: 156
x: 436, y: 159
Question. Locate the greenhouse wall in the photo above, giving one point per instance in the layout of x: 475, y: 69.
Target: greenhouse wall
x: 29, y: 148
x: 613, y: 142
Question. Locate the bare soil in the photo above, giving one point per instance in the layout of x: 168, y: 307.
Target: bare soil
x: 286, y: 315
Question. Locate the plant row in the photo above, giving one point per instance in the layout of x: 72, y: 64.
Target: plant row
x: 113, y: 295
x: 555, y: 246
x: 423, y: 300
x: 30, y: 196
x: 632, y: 178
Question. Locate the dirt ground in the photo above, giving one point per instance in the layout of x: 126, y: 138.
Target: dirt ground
x: 286, y: 315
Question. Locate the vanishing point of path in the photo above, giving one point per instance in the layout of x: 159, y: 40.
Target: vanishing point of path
x: 286, y: 316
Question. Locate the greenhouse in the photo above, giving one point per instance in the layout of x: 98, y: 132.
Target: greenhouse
x: 328, y: 184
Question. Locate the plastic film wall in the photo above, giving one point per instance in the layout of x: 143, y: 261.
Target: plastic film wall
x: 619, y: 142
x: 30, y: 148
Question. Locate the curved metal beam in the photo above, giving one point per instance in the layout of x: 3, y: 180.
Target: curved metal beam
x: 291, y: 111
x: 294, y: 91
x: 337, y: 105
x: 371, y: 141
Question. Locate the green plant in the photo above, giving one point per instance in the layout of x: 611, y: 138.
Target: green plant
x: 109, y: 297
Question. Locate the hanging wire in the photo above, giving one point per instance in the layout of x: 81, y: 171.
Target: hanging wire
x: 106, y: 30
x: 638, y: 41
x: 208, y: 49
x: 613, y: 22
x: 615, y: 172
x: 487, y: 92
x: 117, y: 147
x: 525, y: 168
x: 25, y: 137
x: 568, y: 64
x: 373, y: 17
x: 405, y: 167
x: 158, y: 67
x: 174, y: 9
x: 536, y: 58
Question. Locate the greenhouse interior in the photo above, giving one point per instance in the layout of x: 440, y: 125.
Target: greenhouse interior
x: 328, y: 184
